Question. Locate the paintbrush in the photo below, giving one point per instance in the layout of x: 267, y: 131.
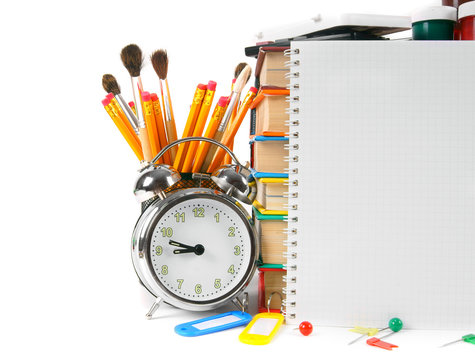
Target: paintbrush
x: 132, y: 58
x: 110, y: 85
x: 239, y: 68
x: 241, y: 81
x: 159, y: 61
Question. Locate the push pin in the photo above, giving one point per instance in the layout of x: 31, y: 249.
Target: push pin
x: 470, y: 338
x: 395, y: 324
x: 305, y: 328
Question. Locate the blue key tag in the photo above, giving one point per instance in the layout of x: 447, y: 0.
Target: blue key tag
x: 213, y: 324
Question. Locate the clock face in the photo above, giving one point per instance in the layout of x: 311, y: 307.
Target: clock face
x: 201, y: 249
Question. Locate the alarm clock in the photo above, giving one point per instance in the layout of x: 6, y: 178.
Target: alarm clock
x: 195, y: 247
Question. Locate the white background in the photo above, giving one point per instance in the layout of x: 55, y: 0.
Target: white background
x: 69, y: 289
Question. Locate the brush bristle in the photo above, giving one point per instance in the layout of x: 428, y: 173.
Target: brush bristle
x: 110, y: 84
x: 240, y: 67
x: 159, y: 60
x: 132, y: 59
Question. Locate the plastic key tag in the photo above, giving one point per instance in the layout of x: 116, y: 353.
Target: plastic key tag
x: 262, y: 328
x: 213, y: 324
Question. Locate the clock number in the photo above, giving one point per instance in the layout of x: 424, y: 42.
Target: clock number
x: 216, y: 216
x: 167, y: 232
x: 179, y: 217
x: 164, y: 270
x: 198, y: 289
x: 237, y: 250
x: 180, y: 282
x: 199, y: 212
x: 158, y: 250
x: 217, y: 283
x: 231, y: 231
x: 231, y: 269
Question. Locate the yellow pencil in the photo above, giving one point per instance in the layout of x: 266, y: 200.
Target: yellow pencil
x: 200, y: 124
x: 228, y: 136
x: 216, y: 117
x: 133, y: 143
x: 190, y: 125
x: 162, y: 133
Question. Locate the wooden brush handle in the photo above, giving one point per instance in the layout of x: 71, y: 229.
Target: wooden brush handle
x: 171, y: 134
x: 147, y: 151
x: 212, y: 151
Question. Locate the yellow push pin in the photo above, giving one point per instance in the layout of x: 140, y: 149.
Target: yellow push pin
x: 395, y: 324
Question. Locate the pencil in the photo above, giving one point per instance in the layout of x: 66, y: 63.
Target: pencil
x: 200, y: 124
x: 133, y: 143
x: 150, y: 123
x: 233, y: 100
x: 216, y: 117
x: 190, y: 125
x: 162, y: 133
x: 230, y: 133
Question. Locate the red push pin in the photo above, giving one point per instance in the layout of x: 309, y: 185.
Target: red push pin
x: 305, y: 328
x: 380, y: 343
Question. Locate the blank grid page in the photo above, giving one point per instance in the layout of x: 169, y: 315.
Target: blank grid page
x: 386, y: 182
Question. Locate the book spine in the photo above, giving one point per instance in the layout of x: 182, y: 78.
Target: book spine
x: 253, y: 123
x: 292, y: 230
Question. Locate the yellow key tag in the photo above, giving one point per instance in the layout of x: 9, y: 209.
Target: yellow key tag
x: 261, y: 329
x: 365, y: 331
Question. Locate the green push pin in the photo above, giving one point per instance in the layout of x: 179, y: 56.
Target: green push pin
x: 470, y: 338
x: 395, y: 324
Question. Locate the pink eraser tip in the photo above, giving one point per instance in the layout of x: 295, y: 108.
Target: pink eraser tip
x: 106, y: 102
x: 212, y: 85
x: 253, y: 89
x: 131, y: 104
x: 154, y: 96
x: 146, y: 96
x: 223, y: 100
x: 202, y: 86
x: 110, y: 96
x: 234, y: 80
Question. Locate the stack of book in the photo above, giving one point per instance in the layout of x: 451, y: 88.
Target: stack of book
x: 269, y: 159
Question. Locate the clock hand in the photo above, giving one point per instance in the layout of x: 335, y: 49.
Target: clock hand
x: 174, y: 243
x: 198, y: 250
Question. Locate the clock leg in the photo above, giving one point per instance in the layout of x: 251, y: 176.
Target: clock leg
x: 242, y: 304
x: 154, y: 308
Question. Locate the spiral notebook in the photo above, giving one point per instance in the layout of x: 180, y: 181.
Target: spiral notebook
x: 381, y: 220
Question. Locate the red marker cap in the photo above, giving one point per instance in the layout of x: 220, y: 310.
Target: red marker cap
x: 146, y: 96
x: 131, y: 104
x: 154, y: 97
x: 223, y: 100
x: 253, y: 89
x: 212, y: 85
x: 106, y: 102
x: 202, y: 86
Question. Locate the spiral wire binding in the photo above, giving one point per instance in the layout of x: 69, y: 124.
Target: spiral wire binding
x: 292, y: 195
